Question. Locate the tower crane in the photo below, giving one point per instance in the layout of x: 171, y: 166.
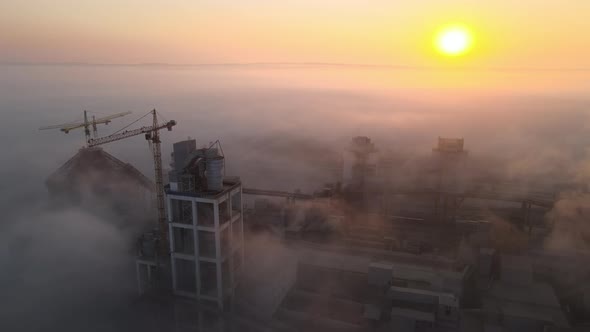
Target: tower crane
x: 86, y: 124
x: 152, y: 135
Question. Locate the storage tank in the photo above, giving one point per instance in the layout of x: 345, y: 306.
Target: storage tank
x: 211, y: 153
x: 214, y: 173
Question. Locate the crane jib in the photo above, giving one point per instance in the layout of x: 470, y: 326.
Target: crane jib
x: 129, y: 133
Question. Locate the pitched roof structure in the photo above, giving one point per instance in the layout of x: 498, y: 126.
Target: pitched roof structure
x: 92, y: 166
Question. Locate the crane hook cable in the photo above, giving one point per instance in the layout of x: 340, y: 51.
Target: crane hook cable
x: 127, y: 126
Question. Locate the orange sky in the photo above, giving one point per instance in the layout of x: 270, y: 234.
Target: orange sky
x: 526, y: 33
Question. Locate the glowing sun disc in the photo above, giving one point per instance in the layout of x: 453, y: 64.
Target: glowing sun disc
x: 453, y: 41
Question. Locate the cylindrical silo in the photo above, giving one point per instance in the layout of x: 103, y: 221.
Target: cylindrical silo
x: 215, y: 173
x: 211, y: 153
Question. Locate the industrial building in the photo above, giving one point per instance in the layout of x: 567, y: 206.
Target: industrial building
x: 360, y: 255
x: 93, y: 177
x: 205, y: 227
x: 435, y: 264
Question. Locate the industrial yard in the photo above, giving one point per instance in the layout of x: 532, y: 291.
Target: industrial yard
x: 449, y: 248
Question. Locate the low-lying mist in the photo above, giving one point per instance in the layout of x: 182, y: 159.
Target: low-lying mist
x: 62, y: 269
x: 279, y: 129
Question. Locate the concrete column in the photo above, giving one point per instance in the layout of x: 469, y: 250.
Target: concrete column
x: 169, y: 209
x: 137, y: 269
x: 218, y: 256
x: 241, y: 225
x: 196, y: 244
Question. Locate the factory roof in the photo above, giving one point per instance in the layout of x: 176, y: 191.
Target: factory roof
x: 359, y: 261
x: 415, y: 314
x: 538, y: 293
x: 535, y: 301
x: 95, y: 164
x: 335, y: 260
x: 448, y: 298
x: 562, y: 257
x: 530, y: 311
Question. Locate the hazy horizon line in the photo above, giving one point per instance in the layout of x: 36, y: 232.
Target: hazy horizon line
x: 308, y: 64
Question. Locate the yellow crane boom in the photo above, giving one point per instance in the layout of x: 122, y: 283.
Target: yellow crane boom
x: 86, y: 124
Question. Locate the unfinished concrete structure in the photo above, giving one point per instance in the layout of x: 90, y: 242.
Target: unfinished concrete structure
x: 205, y: 225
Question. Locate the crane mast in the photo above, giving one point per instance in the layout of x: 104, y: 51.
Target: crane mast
x: 157, y: 152
x: 152, y: 135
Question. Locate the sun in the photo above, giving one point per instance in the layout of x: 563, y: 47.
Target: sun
x: 454, y: 40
